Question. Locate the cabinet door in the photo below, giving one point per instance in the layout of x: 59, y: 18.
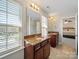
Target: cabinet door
x: 39, y: 54
x: 28, y: 52
x: 53, y: 41
x: 46, y: 51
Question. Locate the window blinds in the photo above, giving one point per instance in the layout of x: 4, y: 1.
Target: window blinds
x: 10, y: 24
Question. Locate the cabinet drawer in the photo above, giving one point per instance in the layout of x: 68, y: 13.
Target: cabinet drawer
x: 37, y: 47
x: 44, y: 43
x: 46, y: 51
x: 28, y: 51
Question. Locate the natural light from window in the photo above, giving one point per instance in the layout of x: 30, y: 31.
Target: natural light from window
x: 10, y: 25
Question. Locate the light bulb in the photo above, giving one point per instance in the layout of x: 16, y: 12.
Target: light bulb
x: 33, y: 4
x: 65, y: 22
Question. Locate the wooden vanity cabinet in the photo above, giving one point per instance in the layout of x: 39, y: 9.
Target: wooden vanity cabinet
x: 46, y: 51
x: 28, y: 52
x: 38, y: 51
x: 43, y: 51
x: 39, y: 54
x: 54, y: 39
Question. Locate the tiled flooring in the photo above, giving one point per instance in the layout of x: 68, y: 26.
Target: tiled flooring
x: 62, y: 52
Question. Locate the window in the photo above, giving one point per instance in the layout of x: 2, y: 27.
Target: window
x: 10, y: 24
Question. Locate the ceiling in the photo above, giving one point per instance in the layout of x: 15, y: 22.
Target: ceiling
x: 58, y: 7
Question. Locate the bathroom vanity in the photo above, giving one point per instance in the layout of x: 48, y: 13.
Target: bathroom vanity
x: 37, y: 48
x: 54, y: 38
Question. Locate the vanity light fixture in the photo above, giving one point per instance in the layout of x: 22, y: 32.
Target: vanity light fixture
x: 34, y: 6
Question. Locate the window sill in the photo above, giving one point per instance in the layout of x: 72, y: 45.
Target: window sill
x: 12, y: 51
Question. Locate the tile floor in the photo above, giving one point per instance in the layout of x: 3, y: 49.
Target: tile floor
x: 62, y: 52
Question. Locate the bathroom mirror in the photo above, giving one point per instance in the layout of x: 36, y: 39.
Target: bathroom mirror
x: 33, y: 22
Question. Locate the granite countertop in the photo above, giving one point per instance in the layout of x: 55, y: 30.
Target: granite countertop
x: 34, y: 40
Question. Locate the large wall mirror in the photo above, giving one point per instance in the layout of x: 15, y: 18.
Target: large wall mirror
x: 33, y: 22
